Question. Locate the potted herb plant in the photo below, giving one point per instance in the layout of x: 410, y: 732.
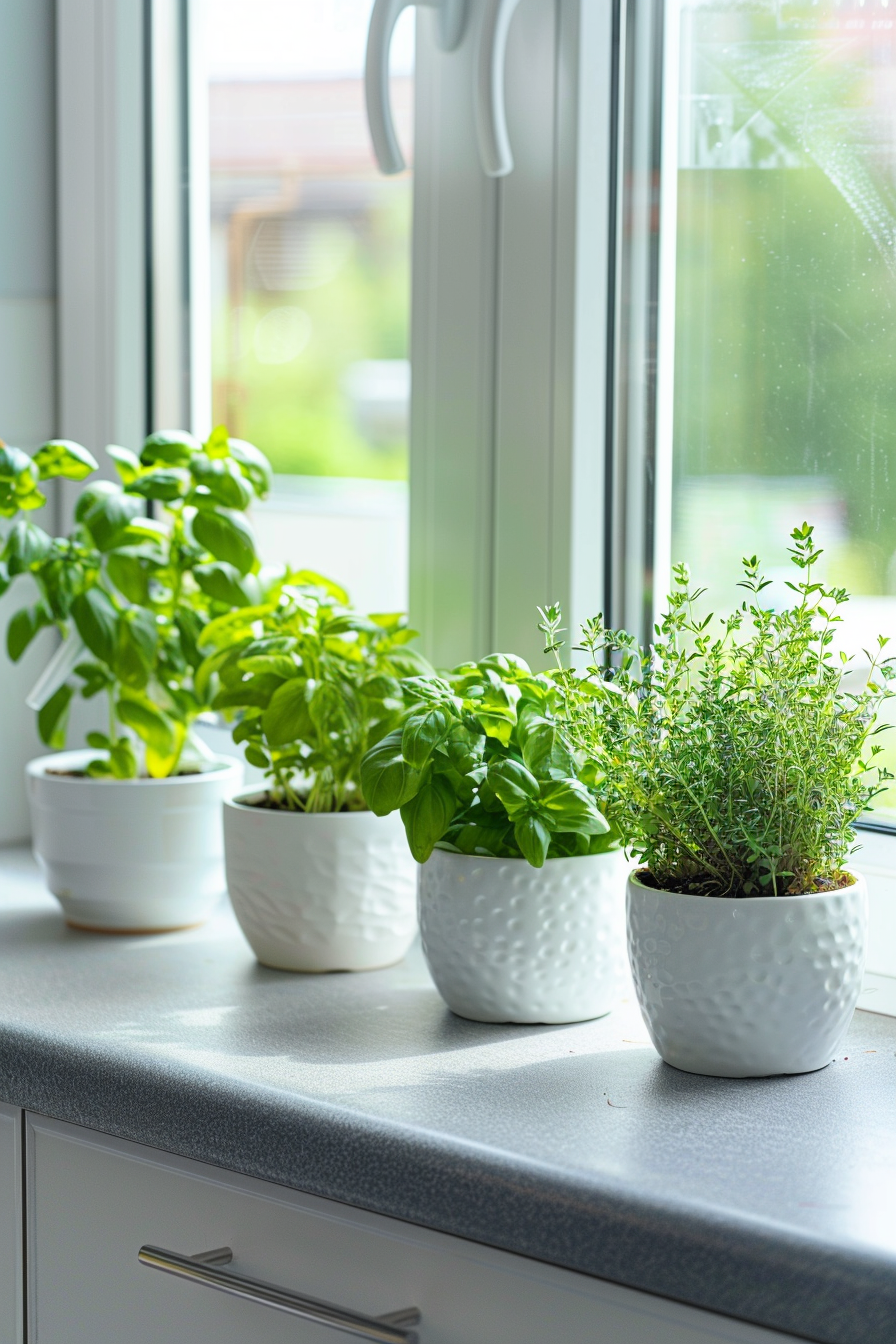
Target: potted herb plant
x: 318, y: 882
x: 738, y: 756
x: 521, y: 889
x: 128, y: 831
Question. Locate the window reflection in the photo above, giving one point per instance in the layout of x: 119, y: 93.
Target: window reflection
x: 785, y: 312
x: 310, y: 277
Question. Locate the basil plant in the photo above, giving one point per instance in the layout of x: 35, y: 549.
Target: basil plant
x: 132, y: 594
x: 479, y: 765
x: 20, y: 480
x: 312, y: 685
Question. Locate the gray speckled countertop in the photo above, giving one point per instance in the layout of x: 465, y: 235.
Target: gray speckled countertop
x: 770, y: 1200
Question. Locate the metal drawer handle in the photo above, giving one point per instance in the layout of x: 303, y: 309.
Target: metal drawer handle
x: 394, y: 1328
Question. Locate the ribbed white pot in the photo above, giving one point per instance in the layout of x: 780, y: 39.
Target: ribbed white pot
x: 130, y: 855
x: 320, y: 891
x: 506, y: 942
x: 750, y: 987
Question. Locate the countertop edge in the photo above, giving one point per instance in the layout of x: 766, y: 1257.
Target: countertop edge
x: 734, y: 1266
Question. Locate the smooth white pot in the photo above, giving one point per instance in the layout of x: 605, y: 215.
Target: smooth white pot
x: 506, y: 942
x: 320, y: 891
x: 751, y: 987
x: 130, y: 855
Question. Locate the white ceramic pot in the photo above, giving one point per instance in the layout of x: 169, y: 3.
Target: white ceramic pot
x: 320, y: 891
x: 506, y: 942
x: 130, y: 855
x: 751, y: 987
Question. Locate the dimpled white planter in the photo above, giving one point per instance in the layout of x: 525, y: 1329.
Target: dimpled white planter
x: 322, y: 891
x: 747, y: 988
x: 130, y: 855
x: 506, y: 942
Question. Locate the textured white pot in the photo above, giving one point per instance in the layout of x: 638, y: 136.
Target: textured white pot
x: 506, y: 942
x: 751, y: 987
x: 130, y: 855
x: 323, y: 891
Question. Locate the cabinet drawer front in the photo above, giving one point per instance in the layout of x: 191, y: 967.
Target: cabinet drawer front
x: 10, y: 1227
x: 95, y: 1201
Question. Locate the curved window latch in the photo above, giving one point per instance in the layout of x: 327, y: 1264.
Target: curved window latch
x: 491, y: 116
x: 451, y: 17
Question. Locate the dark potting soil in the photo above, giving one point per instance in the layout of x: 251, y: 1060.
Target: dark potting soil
x: 268, y: 803
x: 694, y: 887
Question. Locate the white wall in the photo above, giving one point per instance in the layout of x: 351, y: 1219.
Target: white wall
x: 27, y: 327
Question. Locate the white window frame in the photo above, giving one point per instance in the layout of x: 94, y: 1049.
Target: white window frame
x: 540, y: 455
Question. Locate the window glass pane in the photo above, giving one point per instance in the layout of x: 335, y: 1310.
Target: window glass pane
x: 785, y: 307
x: 310, y: 272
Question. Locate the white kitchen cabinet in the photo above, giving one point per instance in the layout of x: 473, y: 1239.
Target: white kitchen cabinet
x: 10, y: 1226
x: 93, y: 1201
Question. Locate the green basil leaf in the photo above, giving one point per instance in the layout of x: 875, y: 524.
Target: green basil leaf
x: 61, y: 457
x: 130, y: 576
x: 428, y: 815
x: 544, y: 750
x: 278, y: 663
x: 329, y: 708
x: 568, y: 806
x: 169, y: 448
x: 253, y: 464
x: 26, y: 545
x: 95, y: 679
x: 211, y: 665
x: 97, y: 623
x: 471, y: 838
x: 255, y: 756
x: 387, y: 781
x: 164, y: 484
x: 288, y: 718
x: 507, y: 666
x: 225, y: 631
x: 122, y: 761
x: 464, y: 748
x: 99, y: 770
x: 309, y: 578
x: 52, y: 718
x: 127, y: 464
x: 422, y: 733
x: 227, y: 535
x: 150, y: 724
x: 217, y: 444
x: 224, y: 583
x: 222, y: 481
x: 106, y: 511
x: 17, y: 468
x: 513, y: 784
x: 245, y: 730
x: 145, y: 533
x: 254, y: 691
x: 22, y: 628
x: 533, y: 838
x: 135, y: 650
x: 62, y: 579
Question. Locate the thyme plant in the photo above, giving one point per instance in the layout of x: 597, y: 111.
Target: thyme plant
x: 734, y: 756
x: 313, y: 685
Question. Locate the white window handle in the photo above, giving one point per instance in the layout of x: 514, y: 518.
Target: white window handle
x: 451, y: 17
x: 491, y: 116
